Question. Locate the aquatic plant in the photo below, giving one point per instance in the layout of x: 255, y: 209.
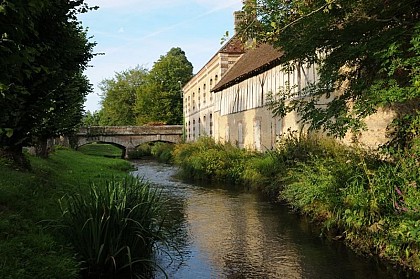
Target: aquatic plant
x: 114, y: 228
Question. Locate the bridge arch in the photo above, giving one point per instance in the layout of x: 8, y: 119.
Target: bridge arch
x: 122, y: 148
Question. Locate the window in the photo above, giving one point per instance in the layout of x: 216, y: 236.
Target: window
x: 199, y: 91
x: 193, y: 130
x: 211, y: 124
x: 240, y: 135
x: 257, y: 134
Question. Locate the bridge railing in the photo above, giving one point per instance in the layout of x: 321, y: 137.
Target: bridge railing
x: 130, y: 130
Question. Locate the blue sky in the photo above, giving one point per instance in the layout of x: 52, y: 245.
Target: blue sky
x: 138, y: 32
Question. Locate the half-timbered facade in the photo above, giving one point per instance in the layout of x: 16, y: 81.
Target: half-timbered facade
x: 240, y: 110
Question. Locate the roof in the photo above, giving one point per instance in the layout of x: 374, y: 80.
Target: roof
x: 253, y: 62
x: 234, y: 45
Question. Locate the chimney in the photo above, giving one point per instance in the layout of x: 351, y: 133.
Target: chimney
x: 238, y: 19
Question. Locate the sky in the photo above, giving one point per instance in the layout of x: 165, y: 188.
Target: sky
x: 134, y: 33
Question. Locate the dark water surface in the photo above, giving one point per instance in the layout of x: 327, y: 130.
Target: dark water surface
x: 224, y: 233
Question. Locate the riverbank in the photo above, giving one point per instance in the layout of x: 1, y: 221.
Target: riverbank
x: 29, y: 246
x: 370, y: 204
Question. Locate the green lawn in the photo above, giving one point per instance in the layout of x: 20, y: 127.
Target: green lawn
x: 101, y: 149
x: 29, y: 244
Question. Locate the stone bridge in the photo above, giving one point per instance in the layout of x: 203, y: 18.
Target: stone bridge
x: 128, y: 137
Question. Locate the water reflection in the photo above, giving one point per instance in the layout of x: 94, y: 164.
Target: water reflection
x: 223, y: 233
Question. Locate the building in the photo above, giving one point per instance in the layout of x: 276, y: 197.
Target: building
x: 227, y: 99
x: 240, y: 111
x: 198, y: 101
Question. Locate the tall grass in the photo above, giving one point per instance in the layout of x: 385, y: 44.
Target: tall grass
x: 114, y: 228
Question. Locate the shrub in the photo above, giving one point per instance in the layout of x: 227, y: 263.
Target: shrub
x: 141, y: 151
x: 162, y: 152
x: 114, y: 228
x: 207, y: 160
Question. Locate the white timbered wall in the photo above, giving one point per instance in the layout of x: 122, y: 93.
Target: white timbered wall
x: 253, y: 92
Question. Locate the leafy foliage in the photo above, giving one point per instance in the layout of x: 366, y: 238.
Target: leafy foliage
x: 139, y: 96
x: 367, y: 52
x: 160, y: 100
x: 43, y: 52
x: 29, y: 248
x: 207, y: 160
x: 119, y: 96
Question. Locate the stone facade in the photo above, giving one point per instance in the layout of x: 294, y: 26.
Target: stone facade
x: 198, y: 101
x: 234, y: 109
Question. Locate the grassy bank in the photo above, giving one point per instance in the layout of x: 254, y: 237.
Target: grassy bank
x: 370, y: 204
x: 31, y: 246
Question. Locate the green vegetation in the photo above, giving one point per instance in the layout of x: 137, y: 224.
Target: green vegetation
x: 161, y: 151
x: 114, y: 228
x: 367, y: 54
x: 207, y: 160
x: 44, y: 51
x: 101, y: 149
x: 372, y: 204
x: 139, y: 96
x: 31, y: 243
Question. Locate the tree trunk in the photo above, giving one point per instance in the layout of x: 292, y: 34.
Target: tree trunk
x: 16, y: 156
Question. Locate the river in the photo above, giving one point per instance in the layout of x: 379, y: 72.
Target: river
x: 226, y: 233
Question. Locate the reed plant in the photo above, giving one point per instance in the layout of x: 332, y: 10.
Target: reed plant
x: 114, y: 228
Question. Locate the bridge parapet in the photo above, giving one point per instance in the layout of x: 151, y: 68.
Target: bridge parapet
x: 130, y: 130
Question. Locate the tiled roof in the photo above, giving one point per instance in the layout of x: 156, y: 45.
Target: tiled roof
x: 234, y: 45
x: 251, y: 63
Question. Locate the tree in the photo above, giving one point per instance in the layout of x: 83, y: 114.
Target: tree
x: 159, y: 99
x: 118, y: 97
x: 43, y: 51
x: 367, y: 51
x: 91, y: 118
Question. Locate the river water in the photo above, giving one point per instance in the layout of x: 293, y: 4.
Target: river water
x: 225, y: 233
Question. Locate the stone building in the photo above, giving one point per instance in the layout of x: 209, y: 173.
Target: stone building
x: 227, y: 99
x: 198, y: 101
x: 241, y: 112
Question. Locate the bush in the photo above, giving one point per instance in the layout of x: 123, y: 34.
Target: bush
x: 141, y: 151
x: 207, y: 160
x: 114, y: 228
x: 162, y: 152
